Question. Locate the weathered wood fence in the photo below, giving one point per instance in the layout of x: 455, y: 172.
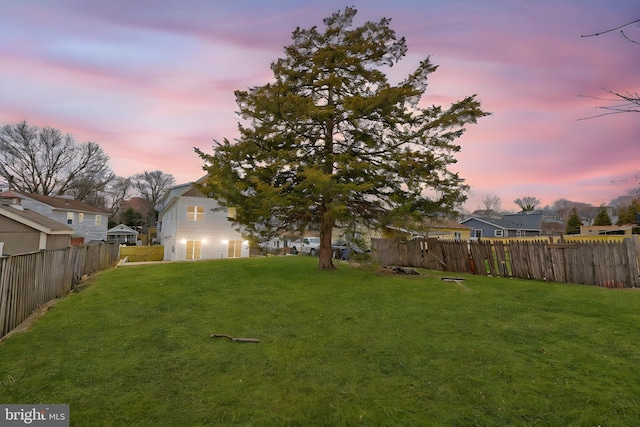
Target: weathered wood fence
x: 609, y: 264
x: 30, y: 280
x: 142, y: 253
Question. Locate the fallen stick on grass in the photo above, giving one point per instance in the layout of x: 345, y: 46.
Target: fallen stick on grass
x: 457, y: 280
x: 235, y: 339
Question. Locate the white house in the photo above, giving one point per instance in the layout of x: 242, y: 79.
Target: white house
x: 193, y: 226
x: 122, y: 234
x: 89, y: 224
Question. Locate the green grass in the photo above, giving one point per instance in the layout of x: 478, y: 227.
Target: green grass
x: 347, y: 347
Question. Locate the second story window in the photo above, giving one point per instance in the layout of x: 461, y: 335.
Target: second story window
x: 69, y: 218
x: 98, y: 220
x: 195, y: 213
x: 81, y: 217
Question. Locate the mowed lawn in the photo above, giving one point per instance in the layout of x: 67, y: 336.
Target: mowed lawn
x: 347, y: 347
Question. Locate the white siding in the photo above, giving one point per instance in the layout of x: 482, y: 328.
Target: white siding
x: 168, y: 231
x: 215, y: 231
x: 87, y: 228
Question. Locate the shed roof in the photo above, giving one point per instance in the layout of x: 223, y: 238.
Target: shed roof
x: 34, y: 220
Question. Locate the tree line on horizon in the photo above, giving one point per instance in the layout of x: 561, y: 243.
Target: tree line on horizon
x: 44, y: 160
x: 575, y: 214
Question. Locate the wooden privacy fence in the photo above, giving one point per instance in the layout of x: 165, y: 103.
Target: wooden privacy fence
x: 609, y: 264
x: 30, y: 280
x: 142, y: 253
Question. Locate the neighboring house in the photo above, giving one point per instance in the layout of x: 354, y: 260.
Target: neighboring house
x: 440, y: 228
x: 23, y: 230
x: 193, y: 226
x: 278, y: 243
x: 512, y: 225
x: 606, y: 230
x: 89, y: 224
x: 122, y: 234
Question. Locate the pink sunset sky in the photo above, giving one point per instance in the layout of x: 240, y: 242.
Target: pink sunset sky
x: 148, y: 81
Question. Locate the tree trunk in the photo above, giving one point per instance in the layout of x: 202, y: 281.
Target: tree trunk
x: 325, y: 256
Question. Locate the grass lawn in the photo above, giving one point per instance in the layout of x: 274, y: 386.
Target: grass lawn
x: 347, y: 347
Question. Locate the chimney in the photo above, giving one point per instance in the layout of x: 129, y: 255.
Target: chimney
x: 10, y: 198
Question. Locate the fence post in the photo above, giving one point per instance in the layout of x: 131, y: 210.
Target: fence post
x: 631, y: 248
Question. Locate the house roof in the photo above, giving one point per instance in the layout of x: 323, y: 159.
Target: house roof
x: 121, y: 229
x: 428, y: 225
x: 62, y: 203
x: 176, y: 191
x: 445, y: 223
x: 487, y: 221
x: 522, y: 221
x: 519, y: 221
x: 34, y: 220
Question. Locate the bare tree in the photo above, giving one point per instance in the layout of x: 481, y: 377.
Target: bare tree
x: 620, y: 102
x: 635, y: 191
x: 118, y: 191
x: 151, y: 186
x: 44, y: 161
x: 492, y: 203
x: 564, y: 207
x: 527, y: 204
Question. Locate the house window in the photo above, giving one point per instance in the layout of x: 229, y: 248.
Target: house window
x: 69, y: 217
x: 98, y: 220
x: 235, y: 249
x: 520, y: 233
x: 195, y: 213
x: 457, y: 235
x: 498, y: 233
x: 477, y: 233
x: 193, y: 249
x: 81, y: 217
x: 231, y: 213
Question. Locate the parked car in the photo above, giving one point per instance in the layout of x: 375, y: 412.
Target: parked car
x: 308, y: 245
x: 342, y: 249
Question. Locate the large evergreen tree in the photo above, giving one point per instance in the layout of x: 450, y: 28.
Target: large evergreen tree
x: 331, y: 141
